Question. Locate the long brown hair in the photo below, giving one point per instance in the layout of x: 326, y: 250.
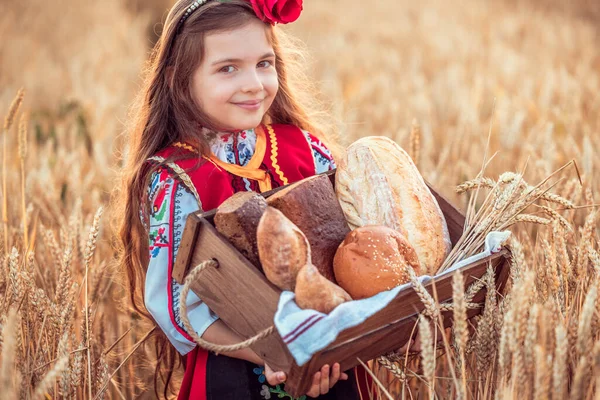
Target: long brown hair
x: 165, y: 112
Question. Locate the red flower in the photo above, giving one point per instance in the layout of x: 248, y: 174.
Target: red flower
x: 277, y: 11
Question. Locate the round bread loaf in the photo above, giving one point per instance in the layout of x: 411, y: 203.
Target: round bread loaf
x: 372, y: 259
x: 378, y: 184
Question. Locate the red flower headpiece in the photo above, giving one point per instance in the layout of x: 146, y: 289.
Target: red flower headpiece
x: 269, y: 11
x: 277, y: 11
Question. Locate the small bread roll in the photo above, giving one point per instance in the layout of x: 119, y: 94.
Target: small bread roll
x: 282, y: 248
x: 378, y: 184
x: 372, y: 259
x: 315, y: 292
x: 237, y: 219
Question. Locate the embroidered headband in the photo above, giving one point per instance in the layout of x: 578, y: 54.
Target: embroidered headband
x: 272, y: 12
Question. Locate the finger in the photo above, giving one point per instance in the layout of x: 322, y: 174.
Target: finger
x: 281, y: 376
x: 315, y: 388
x: 270, y: 376
x: 343, y: 376
x: 325, y: 379
x: 335, y: 375
x: 275, y: 378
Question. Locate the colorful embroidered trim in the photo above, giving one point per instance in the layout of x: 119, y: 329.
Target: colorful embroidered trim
x: 274, y: 154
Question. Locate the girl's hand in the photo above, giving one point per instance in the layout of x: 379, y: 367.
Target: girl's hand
x: 325, y: 379
x: 322, y: 380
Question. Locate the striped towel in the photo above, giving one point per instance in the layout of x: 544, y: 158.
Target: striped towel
x: 306, y: 332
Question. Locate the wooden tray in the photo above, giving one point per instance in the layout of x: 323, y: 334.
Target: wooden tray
x: 246, y: 301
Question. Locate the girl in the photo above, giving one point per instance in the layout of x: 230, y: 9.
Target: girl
x: 217, y: 116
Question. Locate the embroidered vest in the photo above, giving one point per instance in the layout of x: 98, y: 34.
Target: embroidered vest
x: 282, y: 156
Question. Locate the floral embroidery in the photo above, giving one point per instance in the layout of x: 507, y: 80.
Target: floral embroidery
x: 235, y: 148
x: 322, y: 155
x: 265, y: 392
x: 278, y: 390
x: 160, y: 185
x: 260, y: 371
x: 158, y: 189
x: 244, y: 152
x: 158, y: 240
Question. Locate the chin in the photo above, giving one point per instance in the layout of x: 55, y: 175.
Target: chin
x: 248, y: 123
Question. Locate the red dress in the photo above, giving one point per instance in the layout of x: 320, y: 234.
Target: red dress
x: 283, y: 154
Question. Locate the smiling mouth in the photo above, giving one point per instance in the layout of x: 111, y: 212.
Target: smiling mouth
x: 255, y: 105
x: 249, y: 103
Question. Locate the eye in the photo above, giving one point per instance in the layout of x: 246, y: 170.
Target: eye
x: 265, y: 64
x: 227, y: 69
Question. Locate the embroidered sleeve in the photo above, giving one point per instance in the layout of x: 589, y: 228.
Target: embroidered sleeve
x: 169, y: 204
x: 323, y: 159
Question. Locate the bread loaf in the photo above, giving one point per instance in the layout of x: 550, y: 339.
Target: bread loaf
x: 282, y: 248
x: 313, y: 291
x: 378, y: 184
x: 372, y: 259
x: 237, y: 219
x: 312, y: 205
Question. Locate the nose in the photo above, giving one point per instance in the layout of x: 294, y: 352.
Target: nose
x: 252, y: 82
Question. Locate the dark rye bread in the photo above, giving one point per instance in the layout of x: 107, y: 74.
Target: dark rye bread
x: 237, y: 219
x: 311, y: 204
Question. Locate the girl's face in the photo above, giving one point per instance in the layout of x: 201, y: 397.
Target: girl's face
x: 237, y: 81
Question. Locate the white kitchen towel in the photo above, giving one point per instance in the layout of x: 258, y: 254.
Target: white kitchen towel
x: 306, y: 332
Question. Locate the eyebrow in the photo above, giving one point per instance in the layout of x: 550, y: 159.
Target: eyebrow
x: 233, y: 60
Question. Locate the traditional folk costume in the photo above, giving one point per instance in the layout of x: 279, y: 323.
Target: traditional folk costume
x: 258, y: 159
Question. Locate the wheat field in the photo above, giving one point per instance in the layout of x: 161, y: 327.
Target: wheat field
x: 449, y: 81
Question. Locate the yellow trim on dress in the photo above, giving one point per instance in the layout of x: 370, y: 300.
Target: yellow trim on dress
x: 274, y: 154
x: 185, y: 146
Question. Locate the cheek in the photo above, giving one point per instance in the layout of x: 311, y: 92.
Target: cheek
x: 209, y: 89
x: 212, y: 90
x: 271, y: 83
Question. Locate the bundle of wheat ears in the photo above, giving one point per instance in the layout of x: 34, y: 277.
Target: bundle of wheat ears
x: 542, y: 339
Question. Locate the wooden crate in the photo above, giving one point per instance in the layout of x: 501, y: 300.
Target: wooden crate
x: 246, y: 301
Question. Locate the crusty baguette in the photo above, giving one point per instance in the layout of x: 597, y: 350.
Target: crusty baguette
x: 282, y: 248
x: 312, y: 206
x: 237, y: 219
x: 378, y: 184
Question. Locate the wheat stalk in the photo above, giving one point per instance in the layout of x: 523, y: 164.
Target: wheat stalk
x: 461, y: 331
x: 427, y: 353
x: 392, y: 367
x: 431, y: 308
x: 8, y: 121
x: 559, y: 370
x: 584, y: 334
x: 415, y: 142
x: 50, y: 378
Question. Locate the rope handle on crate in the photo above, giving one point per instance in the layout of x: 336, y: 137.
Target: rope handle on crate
x: 217, y: 348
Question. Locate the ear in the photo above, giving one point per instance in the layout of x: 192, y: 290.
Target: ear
x: 170, y: 73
